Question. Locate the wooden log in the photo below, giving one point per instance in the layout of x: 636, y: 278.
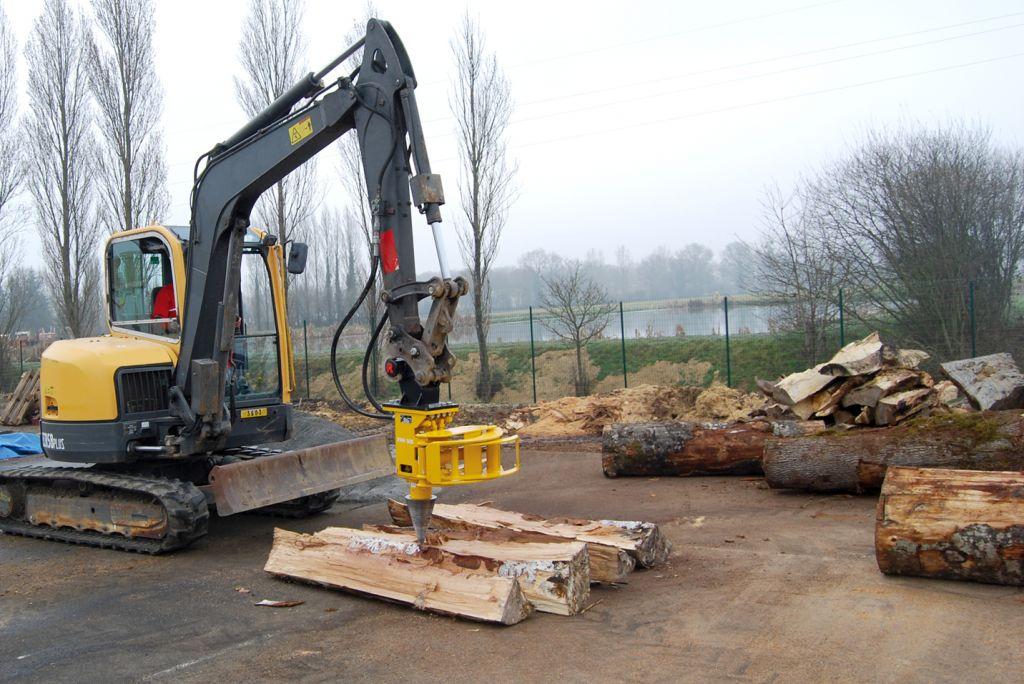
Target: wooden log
x: 862, y: 357
x: 554, y: 576
x: 895, y: 407
x: 952, y: 524
x: 910, y: 358
x: 855, y: 460
x: 797, y: 387
x: 642, y: 542
x: 882, y: 385
x: 682, y: 449
x: 993, y: 382
x: 428, y: 579
x: 834, y: 396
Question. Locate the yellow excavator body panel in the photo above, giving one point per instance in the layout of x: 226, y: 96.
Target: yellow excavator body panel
x: 76, y: 377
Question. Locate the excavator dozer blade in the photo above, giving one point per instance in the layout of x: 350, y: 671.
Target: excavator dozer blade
x: 247, y: 485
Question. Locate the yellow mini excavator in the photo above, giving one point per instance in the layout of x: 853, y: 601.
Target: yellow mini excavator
x: 146, y: 428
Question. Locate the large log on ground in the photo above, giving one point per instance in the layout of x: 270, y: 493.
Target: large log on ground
x: 683, y: 449
x: 952, y: 524
x: 993, y: 382
x: 607, y: 540
x: 428, y: 579
x: 855, y: 460
x: 554, y: 576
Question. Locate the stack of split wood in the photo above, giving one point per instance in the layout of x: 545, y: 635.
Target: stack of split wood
x: 866, y: 383
x: 481, y: 563
x: 24, y: 401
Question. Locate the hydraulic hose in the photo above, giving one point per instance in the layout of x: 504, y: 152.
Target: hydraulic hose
x: 334, y: 351
x: 366, y: 363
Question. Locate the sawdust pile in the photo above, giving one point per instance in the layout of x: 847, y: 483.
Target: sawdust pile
x: 581, y: 416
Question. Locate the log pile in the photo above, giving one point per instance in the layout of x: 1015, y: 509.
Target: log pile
x: 856, y: 460
x: 24, y: 401
x: 867, y: 383
x: 482, y: 563
x: 952, y: 524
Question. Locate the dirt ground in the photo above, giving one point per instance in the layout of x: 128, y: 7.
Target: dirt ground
x: 762, y: 586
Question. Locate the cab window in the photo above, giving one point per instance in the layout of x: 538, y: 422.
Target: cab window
x: 141, y: 286
x: 253, y: 368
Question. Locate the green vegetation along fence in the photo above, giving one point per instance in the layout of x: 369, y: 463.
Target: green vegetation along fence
x: 695, y: 341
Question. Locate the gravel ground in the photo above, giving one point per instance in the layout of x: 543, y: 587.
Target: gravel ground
x: 762, y: 587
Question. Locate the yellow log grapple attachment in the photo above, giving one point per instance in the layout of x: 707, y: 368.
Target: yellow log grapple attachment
x: 429, y: 453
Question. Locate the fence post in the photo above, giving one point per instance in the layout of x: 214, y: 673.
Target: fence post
x: 970, y: 309
x: 21, y: 354
x: 305, y: 354
x: 842, y: 321
x: 622, y: 334
x: 728, y: 352
x: 533, y: 362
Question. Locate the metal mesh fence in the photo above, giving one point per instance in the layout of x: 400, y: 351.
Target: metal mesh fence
x: 694, y: 341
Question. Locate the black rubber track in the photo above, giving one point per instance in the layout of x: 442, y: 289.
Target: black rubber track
x: 187, y: 514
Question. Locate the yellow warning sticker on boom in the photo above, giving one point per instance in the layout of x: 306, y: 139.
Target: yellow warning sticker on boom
x: 300, y: 131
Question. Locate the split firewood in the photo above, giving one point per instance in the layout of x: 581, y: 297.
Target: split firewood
x: 835, y: 395
x: 554, y: 576
x: 948, y: 394
x: 952, y: 524
x: 683, y: 449
x: 797, y: 387
x: 811, y: 405
x: 896, y: 407
x: 862, y: 357
x: 910, y: 358
x: 882, y: 385
x: 993, y: 382
x: 606, y: 539
x: 430, y: 579
x: 856, y: 460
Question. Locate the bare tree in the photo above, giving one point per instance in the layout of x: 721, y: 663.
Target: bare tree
x: 13, y: 295
x: 131, y: 172
x: 358, y: 221
x: 795, y: 269
x: 919, y: 214
x: 577, y: 312
x: 10, y: 173
x: 481, y: 102
x: 273, y: 51
x: 60, y: 162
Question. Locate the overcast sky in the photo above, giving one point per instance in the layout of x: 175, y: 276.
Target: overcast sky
x: 647, y: 124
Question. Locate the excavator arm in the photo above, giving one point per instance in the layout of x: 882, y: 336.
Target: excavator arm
x: 378, y: 103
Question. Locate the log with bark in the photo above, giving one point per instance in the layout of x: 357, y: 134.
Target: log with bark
x: 615, y: 546
x: 993, y: 382
x: 952, y: 524
x: 683, y: 449
x: 554, y: 576
x: 429, y: 579
x: 855, y: 460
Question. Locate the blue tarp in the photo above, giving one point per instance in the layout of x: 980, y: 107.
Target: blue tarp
x: 19, y: 444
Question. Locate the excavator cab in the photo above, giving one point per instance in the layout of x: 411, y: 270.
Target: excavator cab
x: 114, y: 407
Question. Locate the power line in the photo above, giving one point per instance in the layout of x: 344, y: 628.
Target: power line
x: 739, y: 79
x: 746, y: 105
x: 648, y: 39
x: 751, y: 77
x: 777, y: 58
